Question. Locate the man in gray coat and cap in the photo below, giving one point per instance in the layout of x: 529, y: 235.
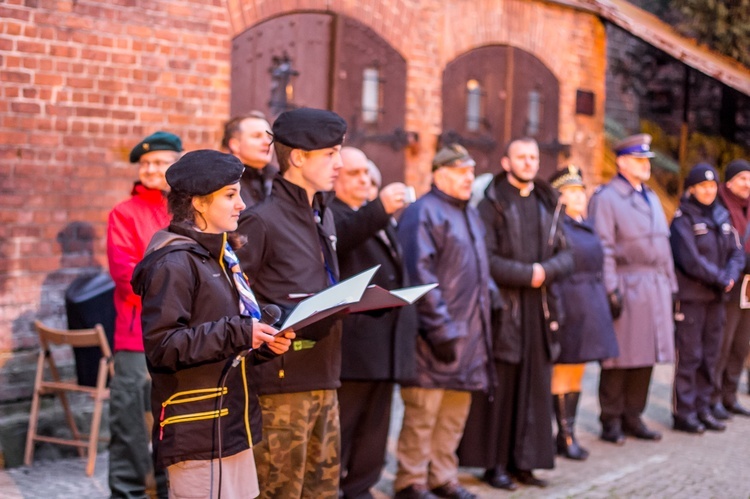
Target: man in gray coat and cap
x: 640, y: 281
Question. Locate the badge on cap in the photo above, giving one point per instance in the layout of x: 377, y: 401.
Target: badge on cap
x: 146, y: 146
x: 709, y: 175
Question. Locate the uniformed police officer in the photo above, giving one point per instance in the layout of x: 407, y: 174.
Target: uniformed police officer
x: 708, y: 259
x: 639, y: 279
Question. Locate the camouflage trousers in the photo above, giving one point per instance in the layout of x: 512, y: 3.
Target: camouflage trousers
x: 299, y: 455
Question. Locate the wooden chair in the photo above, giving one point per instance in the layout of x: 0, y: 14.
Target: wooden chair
x: 48, y: 336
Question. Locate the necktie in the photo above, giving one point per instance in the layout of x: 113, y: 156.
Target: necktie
x: 248, y: 303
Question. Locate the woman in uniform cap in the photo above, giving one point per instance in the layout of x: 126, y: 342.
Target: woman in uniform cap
x: 199, y: 317
x: 586, y: 333
x: 708, y: 260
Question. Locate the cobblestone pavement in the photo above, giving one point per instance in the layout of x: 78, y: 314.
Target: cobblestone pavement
x: 680, y: 466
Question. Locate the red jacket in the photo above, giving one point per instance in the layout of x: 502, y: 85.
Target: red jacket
x: 131, y: 225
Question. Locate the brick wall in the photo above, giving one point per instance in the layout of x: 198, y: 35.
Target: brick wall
x: 82, y: 81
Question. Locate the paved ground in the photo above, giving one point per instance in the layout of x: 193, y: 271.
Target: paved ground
x: 680, y: 466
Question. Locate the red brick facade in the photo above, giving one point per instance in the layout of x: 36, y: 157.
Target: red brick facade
x: 83, y: 81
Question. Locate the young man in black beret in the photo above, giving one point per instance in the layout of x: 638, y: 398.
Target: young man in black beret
x: 292, y: 249
x: 131, y: 225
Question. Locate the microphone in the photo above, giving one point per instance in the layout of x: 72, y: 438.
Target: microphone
x: 270, y: 314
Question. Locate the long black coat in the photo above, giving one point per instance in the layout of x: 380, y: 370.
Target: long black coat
x: 587, y: 332
x: 378, y: 347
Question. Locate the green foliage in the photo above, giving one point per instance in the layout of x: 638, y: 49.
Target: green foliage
x: 723, y: 25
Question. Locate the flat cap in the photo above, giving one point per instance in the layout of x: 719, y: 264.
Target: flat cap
x: 565, y: 176
x: 204, y: 171
x: 702, y: 172
x: 636, y: 145
x: 309, y: 129
x: 159, y: 141
x: 734, y: 167
x: 452, y: 155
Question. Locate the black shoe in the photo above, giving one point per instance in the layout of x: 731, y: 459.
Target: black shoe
x: 736, y: 408
x: 414, y: 492
x: 526, y: 477
x: 453, y: 490
x: 689, y: 425
x: 710, y: 422
x: 720, y: 412
x: 612, y: 432
x: 641, y: 431
x: 499, y: 479
x: 566, y: 406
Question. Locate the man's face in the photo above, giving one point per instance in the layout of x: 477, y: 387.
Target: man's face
x: 634, y: 168
x: 739, y: 185
x: 522, y: 161
x: 252, y: 144
x: 354, y: 182
x: 320, y: 168
x: 153, y: 165
x: 455, y: 181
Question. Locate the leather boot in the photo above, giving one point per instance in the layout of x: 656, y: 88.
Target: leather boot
x: 566, y: 406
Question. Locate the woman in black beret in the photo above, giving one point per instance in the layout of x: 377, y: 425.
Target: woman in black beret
x: 199, y: 317
x: 586, y: 333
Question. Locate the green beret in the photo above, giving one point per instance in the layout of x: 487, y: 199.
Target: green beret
x: 309, y: 129
x: 204, y: 171
x: 159, y: 141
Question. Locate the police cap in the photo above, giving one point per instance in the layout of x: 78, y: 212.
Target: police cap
x: 565, y: 176
x: 702, y: 172
x: 636, y: 145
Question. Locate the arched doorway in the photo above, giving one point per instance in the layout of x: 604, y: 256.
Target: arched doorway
x: 495, y: 93
x: 332, y: 62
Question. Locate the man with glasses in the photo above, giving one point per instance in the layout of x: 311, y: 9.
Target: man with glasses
x: 131, y: 225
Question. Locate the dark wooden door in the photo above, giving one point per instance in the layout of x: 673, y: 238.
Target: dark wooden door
x: 330, y: 61
x: 495, y: 93
x: 304, y: 40
x: 369, y: 91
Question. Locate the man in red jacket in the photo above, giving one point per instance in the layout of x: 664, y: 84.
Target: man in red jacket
x: 131, y: 225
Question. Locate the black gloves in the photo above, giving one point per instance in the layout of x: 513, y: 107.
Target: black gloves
x: 615, y: 303
x: 445, y: 352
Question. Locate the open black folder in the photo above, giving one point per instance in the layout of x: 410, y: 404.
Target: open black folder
x: 351, y: 295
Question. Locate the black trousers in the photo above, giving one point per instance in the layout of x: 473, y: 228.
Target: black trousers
x: 697, y: 342
x: 365, y: 410
x: 623, y: 393
x: 735, y: 346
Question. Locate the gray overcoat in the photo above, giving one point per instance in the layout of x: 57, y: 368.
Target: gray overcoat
x: 638, y: 262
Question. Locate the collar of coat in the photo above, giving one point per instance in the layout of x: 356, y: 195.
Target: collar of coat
x: 283, y: 189
x: 544, y: 192
x: 460, y: 203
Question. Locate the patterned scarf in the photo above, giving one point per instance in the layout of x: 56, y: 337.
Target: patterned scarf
x: 248, y: 303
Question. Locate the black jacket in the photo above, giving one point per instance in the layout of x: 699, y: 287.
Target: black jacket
x: 256, y: 184
x: 511, y: 274
x: 377, y: 346
x: 442, y: 238
x: 706, y: 250
x: 191, y: 332
x: 283, y: 256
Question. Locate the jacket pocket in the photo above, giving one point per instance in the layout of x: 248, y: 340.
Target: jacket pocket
x: 191, y: 397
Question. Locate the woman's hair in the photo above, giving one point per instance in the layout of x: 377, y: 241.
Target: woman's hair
x: 182, y: 209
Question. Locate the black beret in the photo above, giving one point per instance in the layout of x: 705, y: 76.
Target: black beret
x: 702, y: 172
x: 159, y: 141
x: 565, y: 176
x: 734, y: 167
x: 204, y: 171
x: 309, y: 129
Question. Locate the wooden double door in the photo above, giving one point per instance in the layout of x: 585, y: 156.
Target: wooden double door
x: 326, y: 61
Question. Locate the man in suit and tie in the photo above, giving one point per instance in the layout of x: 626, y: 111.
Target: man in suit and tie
x: 377, y: 350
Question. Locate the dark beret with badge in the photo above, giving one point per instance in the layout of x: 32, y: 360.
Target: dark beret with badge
x: 204, y: 171
x: 566, y: 176
x: 638, y: 146
x: 309, y: 129
x: 159, y: 141
x: 452, y: 155
x: 702, y: 172
x: 734, y: 167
